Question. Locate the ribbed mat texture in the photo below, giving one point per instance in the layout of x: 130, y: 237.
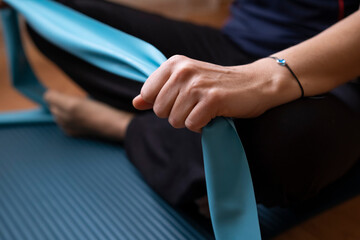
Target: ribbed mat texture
x: 55, y: 187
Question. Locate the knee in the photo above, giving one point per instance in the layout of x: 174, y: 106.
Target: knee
x: 294, y: 152
x: 284, y: 182
x: 288, y: 176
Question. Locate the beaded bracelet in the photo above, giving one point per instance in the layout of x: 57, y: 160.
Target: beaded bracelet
x: 283, y: 63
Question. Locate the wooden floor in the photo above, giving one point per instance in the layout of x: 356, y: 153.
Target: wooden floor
x: 339, y: 223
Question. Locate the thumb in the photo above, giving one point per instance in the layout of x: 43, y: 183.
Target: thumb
x: 140, y: 104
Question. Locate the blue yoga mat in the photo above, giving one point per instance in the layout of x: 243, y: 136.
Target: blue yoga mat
x: 87, y: 189
x: 78, y: 189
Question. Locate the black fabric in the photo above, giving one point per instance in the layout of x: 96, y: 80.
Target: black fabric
x: 265, y: 27
x: 294, y: 150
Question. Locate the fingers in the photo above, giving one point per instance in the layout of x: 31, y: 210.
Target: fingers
x: 140, y: 104
x: 181, y: 110
x: 198, y: 118
x: 166, y: 98
x: 175, y: 68
x: 177, y: 91
x: 155, y: 82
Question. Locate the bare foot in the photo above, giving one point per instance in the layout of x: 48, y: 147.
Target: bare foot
x: 80, y: 117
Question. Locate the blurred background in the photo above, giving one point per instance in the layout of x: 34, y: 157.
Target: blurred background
x: 341, y: 222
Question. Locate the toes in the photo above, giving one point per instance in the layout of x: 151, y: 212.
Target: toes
x: 59, y: 114
x: 55, y: 111
x: 50, y: 96
x: 68, y: 128
x: 61, y: 101
x: 65, y: 110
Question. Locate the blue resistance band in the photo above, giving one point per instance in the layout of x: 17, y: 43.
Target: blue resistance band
x: 230, y: 191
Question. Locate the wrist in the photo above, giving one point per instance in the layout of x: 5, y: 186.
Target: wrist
x: 280, y: 87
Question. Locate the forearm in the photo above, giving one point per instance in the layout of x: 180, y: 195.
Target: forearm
x: 326, y: 60
x: 321, y: 64
x: 190, y: 93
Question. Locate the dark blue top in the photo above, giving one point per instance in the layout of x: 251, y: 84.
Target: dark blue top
x: 263, y: 27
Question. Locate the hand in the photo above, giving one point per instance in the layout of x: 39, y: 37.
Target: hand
x: 190, y: 93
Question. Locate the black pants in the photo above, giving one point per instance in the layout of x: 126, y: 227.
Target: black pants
x: 294, y: 150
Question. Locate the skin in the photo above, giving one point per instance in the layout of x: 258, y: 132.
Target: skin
x: 190, y: 93
x: 80, y: 117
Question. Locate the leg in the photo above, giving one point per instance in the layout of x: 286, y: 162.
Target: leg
x: 81, y: 117
x: 297, y: 149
